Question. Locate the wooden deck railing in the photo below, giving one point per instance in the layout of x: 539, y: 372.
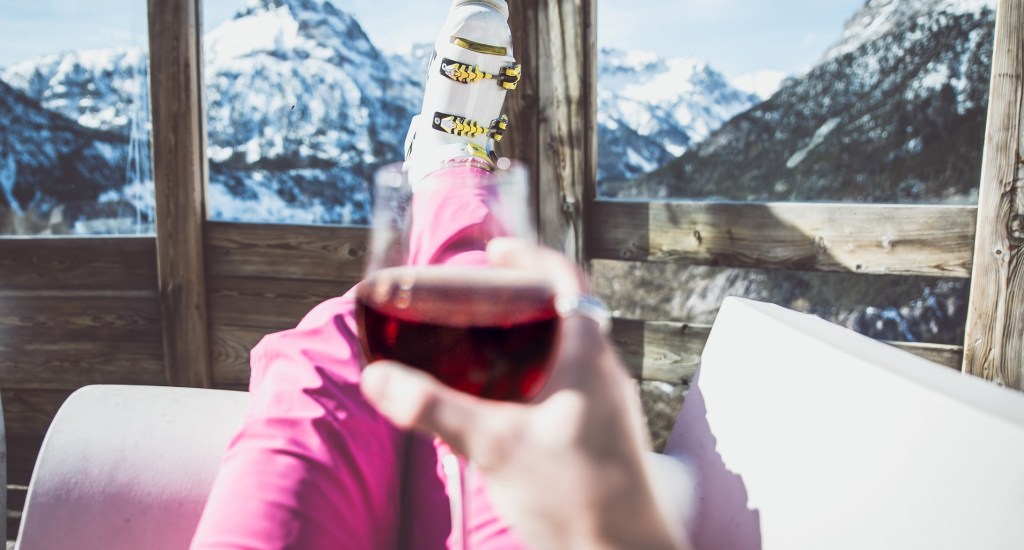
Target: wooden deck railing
x: 77, y: 311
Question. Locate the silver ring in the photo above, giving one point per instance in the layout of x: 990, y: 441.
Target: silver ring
x: 586, y: 305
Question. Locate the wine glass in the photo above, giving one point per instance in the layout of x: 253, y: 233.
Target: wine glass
x: 428, y: 299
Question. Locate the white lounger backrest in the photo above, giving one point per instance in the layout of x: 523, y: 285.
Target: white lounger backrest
x: 128, y: 467
x: 805, y: 435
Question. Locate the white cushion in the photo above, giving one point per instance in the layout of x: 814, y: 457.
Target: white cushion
x: 805, y: 435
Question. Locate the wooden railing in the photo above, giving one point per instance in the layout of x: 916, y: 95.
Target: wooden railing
x: 77, y: 311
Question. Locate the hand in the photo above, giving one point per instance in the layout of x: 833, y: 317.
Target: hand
x: 566, y: 471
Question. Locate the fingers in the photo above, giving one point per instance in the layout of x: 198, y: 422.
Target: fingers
x: 412, y: 399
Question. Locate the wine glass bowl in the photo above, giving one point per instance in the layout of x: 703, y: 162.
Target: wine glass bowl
x: 430, y: 301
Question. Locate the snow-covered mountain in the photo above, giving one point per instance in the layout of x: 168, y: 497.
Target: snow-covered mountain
x: 52, y: 165
x: 302, y: 107
x: 894, y: 112
x: 96, y: 88
x: 651, y: 110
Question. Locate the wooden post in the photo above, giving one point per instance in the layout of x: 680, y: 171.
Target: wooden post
x: 553, y: 112
x: 179, y: 167
x: 994, y: 346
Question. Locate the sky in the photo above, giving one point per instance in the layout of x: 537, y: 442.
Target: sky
x: 737, y: 37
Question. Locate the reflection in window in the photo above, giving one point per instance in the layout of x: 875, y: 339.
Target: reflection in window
x: 303, y: 106
x: 74, y: 105
x: 836, y: 101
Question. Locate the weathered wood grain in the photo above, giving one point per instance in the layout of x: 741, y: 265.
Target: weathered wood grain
x: 124, y: 263
x: 858, y: 238
x: 566, y: 65
x: 62, y: 364
x: 945, y: 355
x: 523, y: 105
x: 328, y: 253
x: 273, y: 304
x: 28, y: 413
x: 231, y: 347
x: 660, y: 351
x: 179, y: 166
x: 994, y: 342
x: 670, y: 351
x: 70, y: 317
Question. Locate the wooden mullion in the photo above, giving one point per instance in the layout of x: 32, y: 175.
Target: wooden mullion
x: 563, y: 55
x: 994, y: 342
x: 179, y: 169
x: 589, y: 110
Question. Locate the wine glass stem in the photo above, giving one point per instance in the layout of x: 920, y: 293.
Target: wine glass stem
x: 458, y: 497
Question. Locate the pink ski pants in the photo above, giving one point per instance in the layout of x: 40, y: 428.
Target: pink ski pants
x: 314, y: 465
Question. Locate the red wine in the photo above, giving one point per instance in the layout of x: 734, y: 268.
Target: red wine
x: 488, y: 332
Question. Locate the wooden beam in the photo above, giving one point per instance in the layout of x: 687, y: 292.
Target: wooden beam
x: 552, y: 113
x: 179, y: 167
x: 670, y: 351
x: 78, y: 263
x: 273, y: 304
x: 566, y: 64
x: 522, y: 141
x: 79, y: 317
x: 857, y: 238
x: 994, y: 342
x: 328, y: 253
x: 660, y: 351
x: 68, y: 365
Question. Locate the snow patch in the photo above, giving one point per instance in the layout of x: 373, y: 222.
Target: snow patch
x: 819, y: 136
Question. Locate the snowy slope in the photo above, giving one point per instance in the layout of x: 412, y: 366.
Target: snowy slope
x: 878, y: 18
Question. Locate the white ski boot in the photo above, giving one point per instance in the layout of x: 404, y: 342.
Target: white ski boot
x: 470, y: 71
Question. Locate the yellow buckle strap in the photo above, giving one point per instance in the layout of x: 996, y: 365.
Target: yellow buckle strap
x: 508, y: 78
x: 464, y: 127
x: 457, y: 125
x: 498, y: 127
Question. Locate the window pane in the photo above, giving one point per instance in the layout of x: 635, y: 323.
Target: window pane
x: 74, y: 105
x: 835, y: 101
x: 847, y: 100
x: 305, y: 99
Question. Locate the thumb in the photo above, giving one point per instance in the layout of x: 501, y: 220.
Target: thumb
x: 412, y: 399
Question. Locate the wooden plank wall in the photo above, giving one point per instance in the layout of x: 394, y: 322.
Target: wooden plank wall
x: 994, y: 343
x: 73, y: 312
x: 264, y: 278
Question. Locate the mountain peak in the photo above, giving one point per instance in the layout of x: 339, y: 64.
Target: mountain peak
x: 299, y: 29
x: 295, y: 6
x: 879, y: 17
